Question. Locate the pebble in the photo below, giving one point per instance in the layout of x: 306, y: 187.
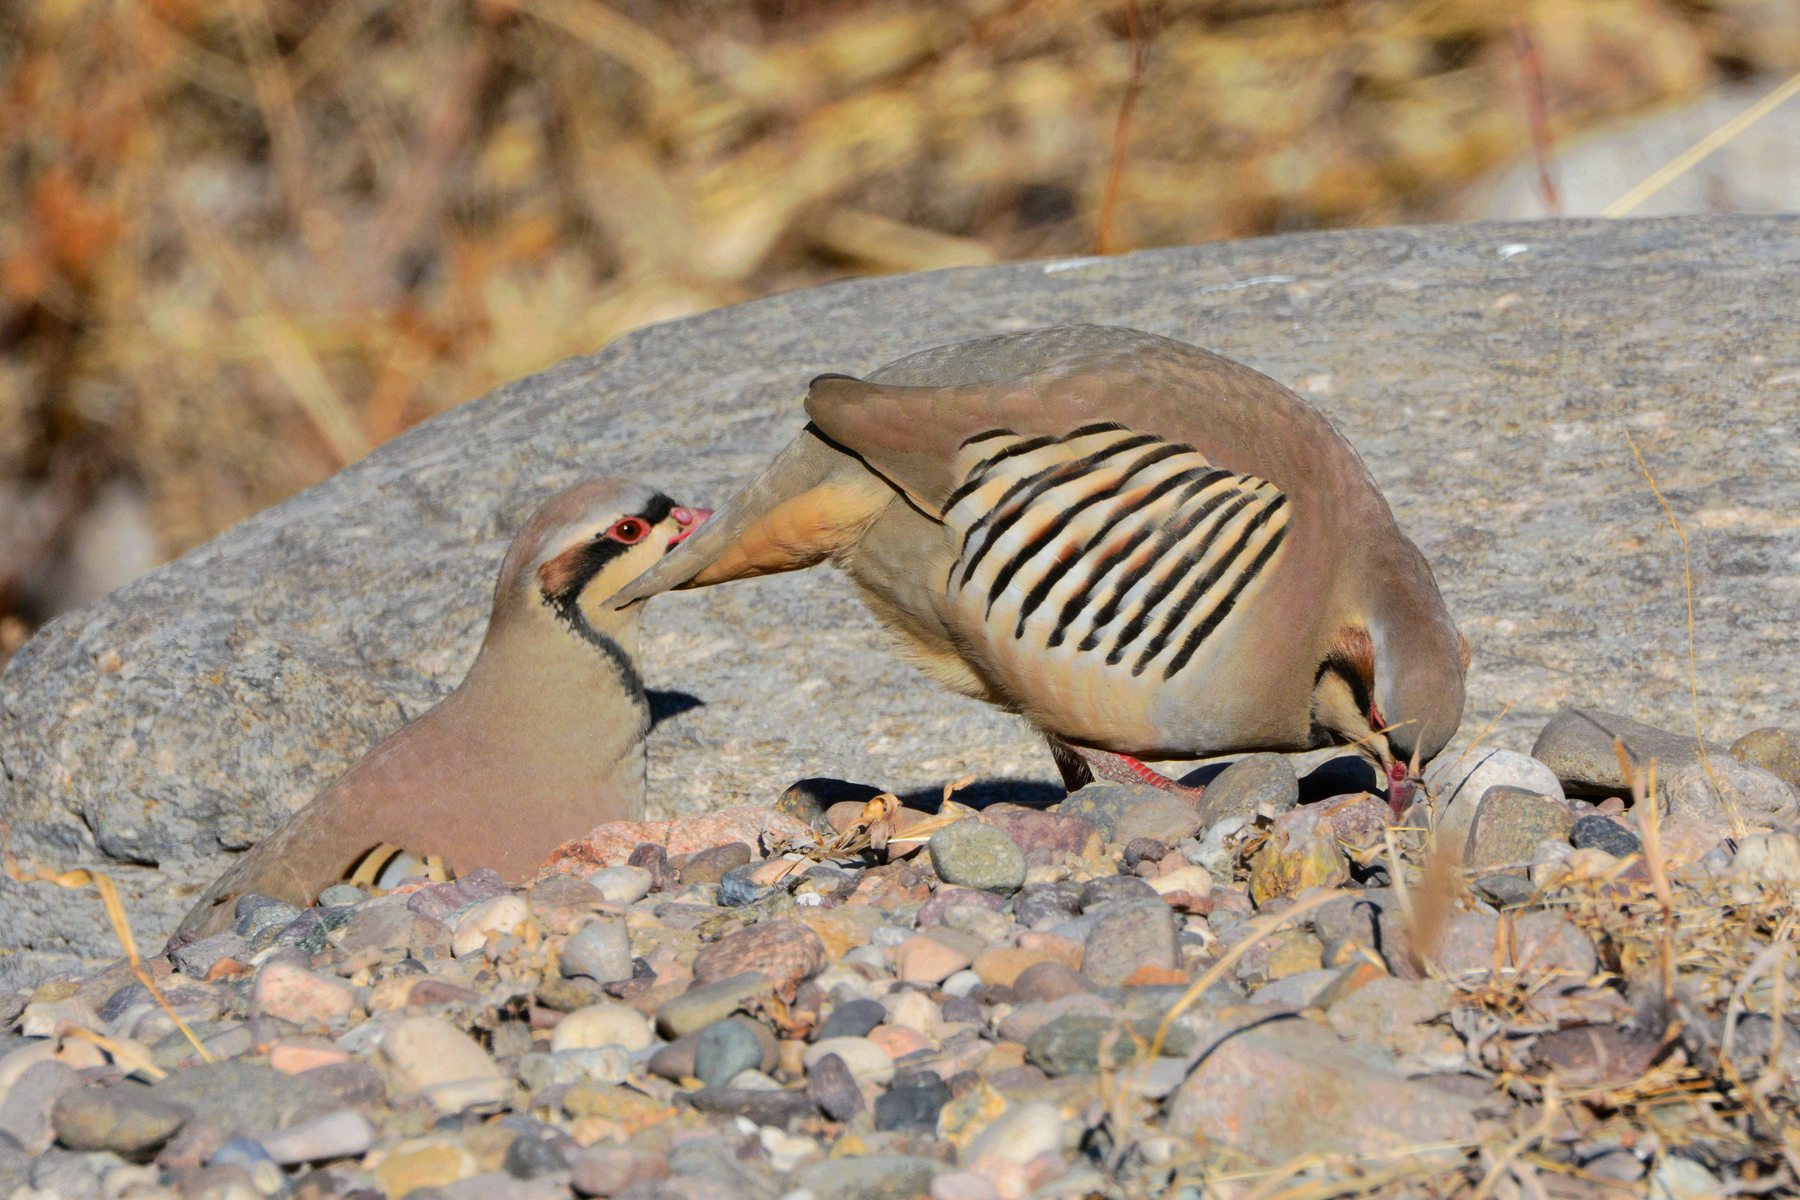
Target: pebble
x: 198, y: 957
x: 604, y: 1024
x: 832, y: 1087
x: 1576, y: 747
x: 1159, y: 816
x: 495, y: 915
x: 296, y: 994
x: 1593, y: 832
x: 1509, y: 823
x: 912, y: 1104
x: 431, y: 1162
x: 259, y: 914
x: 624, y: 884
x: 609, y: 1170
x: 700, y: 1006
x: 341, y: 894
x: 1301, y: 852
x: 246, y: 1098
x: 127, y: 1118
x: 1022, y: 1133
x: 1077, y: 1043
x: 600, y: 950
x: 970, y: 854
x: 711, y: 866
x: 742, y: 887
x: 432, y: 1058
x: 926, y: 959
x: 1256, y: 785
x: 1543, y: 949
x: 853, y: 1019
x: 345, y: 1133
x: 1126, y: 937
x: 1774, y: 749
x: 1712, y: 791
x: 1455, y: 784
x: 725, y: 1048
x: 25, y: 1114
x: 868, y: 1062
x: 588, y: 1064
x: 877, y: 1009
x: 784, y: 952
x: 869, y: 1177
x: 1246, y: 1092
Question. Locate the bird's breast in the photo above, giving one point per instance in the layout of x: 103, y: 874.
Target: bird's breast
x: 1102, y: 578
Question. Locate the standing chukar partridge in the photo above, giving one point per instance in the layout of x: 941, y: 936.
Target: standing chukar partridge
x: 542, y: 740
x: 1147, y: 550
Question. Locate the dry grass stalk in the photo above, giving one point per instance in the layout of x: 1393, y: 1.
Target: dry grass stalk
x: 1694, y: 155
x: 121, y: 926
x: 1260, y: 928
x: 1687, y: 579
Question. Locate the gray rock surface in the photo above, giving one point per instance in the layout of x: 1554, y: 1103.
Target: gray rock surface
x: 1487, y: 373
x: 1578, y: 745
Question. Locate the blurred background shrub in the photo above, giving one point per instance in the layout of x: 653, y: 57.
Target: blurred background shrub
x: 242, y: 242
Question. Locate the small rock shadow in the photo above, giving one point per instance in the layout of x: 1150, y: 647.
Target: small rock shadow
x: 665, y: 706
x: 1028, y: 793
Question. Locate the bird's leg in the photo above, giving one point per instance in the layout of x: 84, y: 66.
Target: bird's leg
x: 1082, y: 765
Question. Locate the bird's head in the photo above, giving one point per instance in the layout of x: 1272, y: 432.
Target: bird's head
x: 587, y: 542
x: 1396, y: 701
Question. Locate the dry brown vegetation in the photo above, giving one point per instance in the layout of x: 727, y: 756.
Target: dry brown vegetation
x: 244, y: 241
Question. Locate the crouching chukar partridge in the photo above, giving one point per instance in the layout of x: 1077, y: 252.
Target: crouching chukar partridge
x: 1147, y: 550
x: 542, y: 740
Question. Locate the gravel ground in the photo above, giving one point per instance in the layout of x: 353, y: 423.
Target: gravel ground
x: 1286, y: 990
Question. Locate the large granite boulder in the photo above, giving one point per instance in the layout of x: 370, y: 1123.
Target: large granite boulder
x: 1488, y: 373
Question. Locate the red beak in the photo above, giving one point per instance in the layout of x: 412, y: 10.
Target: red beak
x: 689, y: 519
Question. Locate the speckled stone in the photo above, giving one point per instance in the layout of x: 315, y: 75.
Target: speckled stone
x: 970, y: 854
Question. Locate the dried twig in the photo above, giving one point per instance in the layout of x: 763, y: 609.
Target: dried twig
x: 121, y: 926
x: 1688, y: 159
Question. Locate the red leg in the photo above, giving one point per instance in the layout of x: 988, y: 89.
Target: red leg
x: 1122, y: 768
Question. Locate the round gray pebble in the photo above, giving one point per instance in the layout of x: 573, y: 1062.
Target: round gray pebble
x: 726, y: 1048
x: 970, y: 854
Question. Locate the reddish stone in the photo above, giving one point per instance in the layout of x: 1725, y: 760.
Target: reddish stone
x: 613, y: 844
x: 787, y: 952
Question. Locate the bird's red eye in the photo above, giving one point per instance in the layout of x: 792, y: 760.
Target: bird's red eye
x: 629, y: 530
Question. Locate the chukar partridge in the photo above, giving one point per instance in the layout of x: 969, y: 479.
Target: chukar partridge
x: 540, y: 742
x: 1145, y: 549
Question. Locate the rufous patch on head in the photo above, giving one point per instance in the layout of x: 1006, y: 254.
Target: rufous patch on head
x: 1353, y: 646
x: 558, y: 575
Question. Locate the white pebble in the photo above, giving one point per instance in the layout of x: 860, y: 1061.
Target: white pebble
x: 602, y: 1025
x: 1019, y: 1134
x: 621, y: 885
x: 960, y: 984
x: 435, y: 1059
x: 868, y: 1062
x: 497, y: 914
x: 345, y: 1133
